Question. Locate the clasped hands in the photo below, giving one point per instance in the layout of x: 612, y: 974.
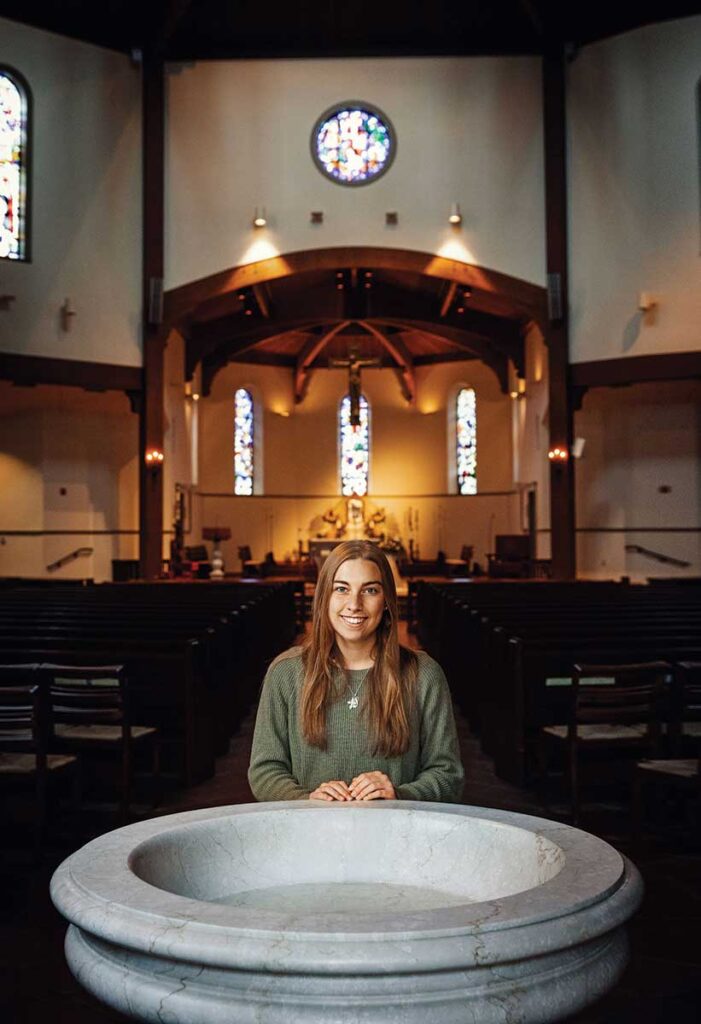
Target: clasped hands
x: 366, y: 786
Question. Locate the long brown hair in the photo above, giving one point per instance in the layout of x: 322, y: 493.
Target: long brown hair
x: 389, y: 685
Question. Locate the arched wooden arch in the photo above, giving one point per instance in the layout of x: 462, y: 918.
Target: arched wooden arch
x: 493, y: 291
x: 301, y: 301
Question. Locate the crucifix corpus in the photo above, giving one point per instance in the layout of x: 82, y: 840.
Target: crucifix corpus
x: 355, y: 365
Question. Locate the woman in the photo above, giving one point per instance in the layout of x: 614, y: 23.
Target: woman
x: 352, y: 715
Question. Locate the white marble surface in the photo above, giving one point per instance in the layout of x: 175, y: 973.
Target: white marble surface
x: 342, y: 913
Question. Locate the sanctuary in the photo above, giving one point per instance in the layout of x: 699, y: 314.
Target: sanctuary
x: 273, y: 279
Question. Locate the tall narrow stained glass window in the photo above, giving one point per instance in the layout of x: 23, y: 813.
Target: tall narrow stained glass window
x: 13, y: 167
x: 466, y: 441
x: 355, y: 449
x: 243, y: 442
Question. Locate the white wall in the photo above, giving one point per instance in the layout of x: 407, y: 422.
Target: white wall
x: 634, y: 192
x: 68, y: 479
x: 468, y: 131
x: 638, y: 440
x: 86, y: 203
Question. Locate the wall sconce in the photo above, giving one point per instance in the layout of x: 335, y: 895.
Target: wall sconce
x: 316, y: 216
x: 259, y: 219
x: 558, y: 455
x: 67, y: 314
x: 153, y: 457
x: 455, y: 217
x: 646, y: 302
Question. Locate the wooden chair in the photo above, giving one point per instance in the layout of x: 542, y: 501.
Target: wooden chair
x: 614, y: 713
x: 249, y: 567
x: 679, y: 775
x: 89, y: 706
x: 685, y: 717
x: 23, y: 748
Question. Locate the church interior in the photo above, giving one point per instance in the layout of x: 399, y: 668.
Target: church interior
x: 426, y: 277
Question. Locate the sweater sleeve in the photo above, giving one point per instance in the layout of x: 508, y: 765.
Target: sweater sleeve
x: 440, y: 768
x: 270, y: 771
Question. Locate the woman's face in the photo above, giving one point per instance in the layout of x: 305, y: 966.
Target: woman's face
x: 357, y: 600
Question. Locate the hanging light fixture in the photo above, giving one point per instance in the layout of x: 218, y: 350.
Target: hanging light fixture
x: 455, y: 217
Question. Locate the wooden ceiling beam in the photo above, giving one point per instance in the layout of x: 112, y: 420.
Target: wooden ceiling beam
x: 448, y: 298
x: 260, y: 294
x: 237, y: 328
x: 309, y: 353
x: 473, y: 343
x: 534, y: 16
x: 474, y: 348
x: 492, y: 291
x: 222, y: 339
x: 174, y: 14
x: 401, y: 355
x: 509, y: 344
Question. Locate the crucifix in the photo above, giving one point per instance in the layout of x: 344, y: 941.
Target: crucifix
x: 355, y: 365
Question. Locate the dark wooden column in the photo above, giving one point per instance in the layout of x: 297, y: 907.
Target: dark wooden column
x: 562, y: 514
x: 153, y: 336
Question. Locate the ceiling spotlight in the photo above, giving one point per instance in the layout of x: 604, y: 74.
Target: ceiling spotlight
x: 455, y: 217
x: 259, y: 220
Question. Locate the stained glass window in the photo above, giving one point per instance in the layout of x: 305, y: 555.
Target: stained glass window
x: 466, y: 447
x: 353, y: 144
x: 243, y: 442
x: 13, y: 167
x: 355, y: 449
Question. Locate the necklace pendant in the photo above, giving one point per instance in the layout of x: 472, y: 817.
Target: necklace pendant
x: 352, y: 703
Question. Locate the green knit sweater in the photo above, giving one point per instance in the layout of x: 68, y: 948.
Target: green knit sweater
x: 285, y: 767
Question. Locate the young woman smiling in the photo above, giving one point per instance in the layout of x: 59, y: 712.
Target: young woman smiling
x: 352, y: 715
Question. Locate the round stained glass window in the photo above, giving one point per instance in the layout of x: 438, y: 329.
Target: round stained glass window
x: 353, y: 144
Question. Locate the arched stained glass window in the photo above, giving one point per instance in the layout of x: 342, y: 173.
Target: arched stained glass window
x: 466, y: 440
x: 13, y: 166
x: 355, y: 448
x: 243, y: 442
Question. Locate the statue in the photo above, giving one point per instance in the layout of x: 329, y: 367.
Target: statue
x: 335, y: 522
x: 376, y: 526
x: 355, y: 519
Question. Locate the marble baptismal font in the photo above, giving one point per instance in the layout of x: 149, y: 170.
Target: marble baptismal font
x: 345, y: 913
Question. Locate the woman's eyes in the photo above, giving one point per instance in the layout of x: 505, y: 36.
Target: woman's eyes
x: 339, y: 588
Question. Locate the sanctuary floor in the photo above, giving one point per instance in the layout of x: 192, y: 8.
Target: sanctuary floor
x: 661, y: 986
